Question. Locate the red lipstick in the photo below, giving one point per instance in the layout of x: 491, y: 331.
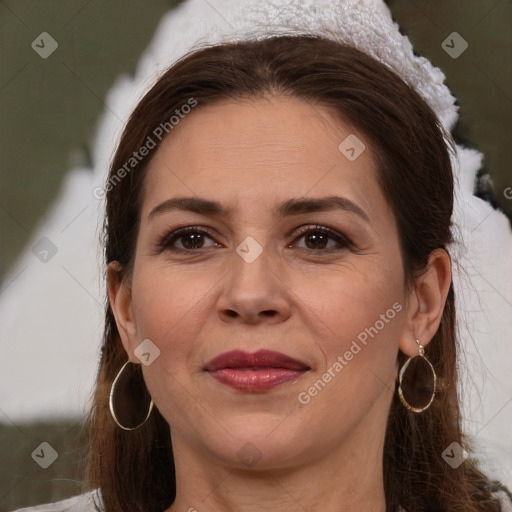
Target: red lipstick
x: 258, y: 371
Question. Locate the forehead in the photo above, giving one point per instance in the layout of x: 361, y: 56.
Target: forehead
x: 263, y: 149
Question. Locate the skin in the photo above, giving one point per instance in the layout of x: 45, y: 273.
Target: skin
x: 305, y: 300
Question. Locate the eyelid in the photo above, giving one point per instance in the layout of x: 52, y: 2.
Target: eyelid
x: 336, y: 235
x: 165, y: 241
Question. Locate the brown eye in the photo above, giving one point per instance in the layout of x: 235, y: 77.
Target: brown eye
x: 317, y: 239
x: 190, y: 238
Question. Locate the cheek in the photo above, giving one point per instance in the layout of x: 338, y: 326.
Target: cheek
x: 355, y: 318
x: 346, y: 302
x: 169, y: 309
x: 359, y: 321
x: 166, y: 301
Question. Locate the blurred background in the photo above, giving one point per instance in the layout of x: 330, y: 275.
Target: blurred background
x: 49, y: 109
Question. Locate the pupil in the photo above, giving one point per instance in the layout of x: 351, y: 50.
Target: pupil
x: 191, y: 238
x: 318, y: 238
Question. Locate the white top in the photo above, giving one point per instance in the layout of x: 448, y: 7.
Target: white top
x: 84, y: 503
x: 80, y: 503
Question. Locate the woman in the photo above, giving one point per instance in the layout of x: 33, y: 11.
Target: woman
x: 280, y: 330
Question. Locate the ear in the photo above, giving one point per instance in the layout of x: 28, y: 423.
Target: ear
x: 427, y: 301
x: 120, y: 299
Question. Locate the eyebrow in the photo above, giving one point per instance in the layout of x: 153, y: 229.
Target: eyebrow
x: 287, y: 208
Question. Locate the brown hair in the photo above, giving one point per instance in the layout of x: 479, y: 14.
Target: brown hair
x: 412, y: 155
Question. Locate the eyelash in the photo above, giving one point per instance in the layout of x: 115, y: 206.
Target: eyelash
x: 167, y: 240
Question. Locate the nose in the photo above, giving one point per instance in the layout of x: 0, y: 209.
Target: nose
x: 254, y: 293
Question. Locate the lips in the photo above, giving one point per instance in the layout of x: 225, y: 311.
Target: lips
x: 256, y: 371
x: 261, y: 359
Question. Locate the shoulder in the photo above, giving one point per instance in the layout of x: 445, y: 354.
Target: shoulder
x: 504, y: 496
x: 81, y: 503
x: 501, y: 493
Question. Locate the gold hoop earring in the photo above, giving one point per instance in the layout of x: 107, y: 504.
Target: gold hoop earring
x: 123, y: 407
x: 418, y: 388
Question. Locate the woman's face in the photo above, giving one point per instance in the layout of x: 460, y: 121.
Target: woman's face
x: 334, y: 302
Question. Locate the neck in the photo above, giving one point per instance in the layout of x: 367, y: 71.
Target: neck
x: 345, y: 479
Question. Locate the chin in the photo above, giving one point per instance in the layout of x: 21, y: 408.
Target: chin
x: 257, y: 445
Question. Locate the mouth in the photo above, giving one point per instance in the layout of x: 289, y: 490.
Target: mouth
x: 254, y: 372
